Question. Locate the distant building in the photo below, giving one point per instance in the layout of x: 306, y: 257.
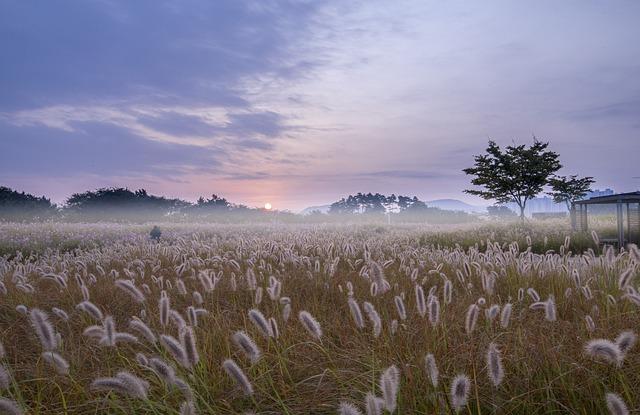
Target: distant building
x: 546, y: 204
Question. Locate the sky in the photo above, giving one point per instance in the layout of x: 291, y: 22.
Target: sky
x: 300, y: 103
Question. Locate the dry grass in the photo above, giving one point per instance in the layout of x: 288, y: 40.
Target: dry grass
x: 546, y: 369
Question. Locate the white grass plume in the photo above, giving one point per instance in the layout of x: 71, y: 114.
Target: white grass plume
x: 356, y: 314
x: 625, y: 278
x: 175, y: 349
x: 91, y: 309
x: 9, y: 407
x: 188, y: 408
x: 346, y: 408
x: 432, y: 369
x: 389, y: 384
x: 550, y: 313
x: 133, y: 291
x: 5, y: 378
x: 402, y: 313
x: 505, y: 315
x: 471, y: 318
x: 60, y: 365
x: 140, y: 327
x: 616, y: 405
x: 124, y: 384
x: 373, y: 404
x: 163, y: 370
x: 247, y: 346
x: 234, y: 371
x: 434, y: 311
x: 421, y: 305
x: 261, y: 323
x: 459, y: 394
x: 44, y: 329
x: 164, y: 306
x: 625, y: 341
x: 374, y: 317
x: 311, y: 324
x: 603, y: 349
x: 494, y: 365
x: 188, y: 340
x: 60, y: 313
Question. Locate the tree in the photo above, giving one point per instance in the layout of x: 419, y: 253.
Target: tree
x: 516, y: 174
x: 569, y: 189
x: 21, y: 206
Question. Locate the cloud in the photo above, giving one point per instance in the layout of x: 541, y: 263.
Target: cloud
x: 192, y: 52
x: 96, y: 148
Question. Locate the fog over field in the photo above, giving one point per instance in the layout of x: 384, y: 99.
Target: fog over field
x: 319, y: 207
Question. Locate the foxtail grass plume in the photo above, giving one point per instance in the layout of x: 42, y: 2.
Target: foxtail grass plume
x: 603, y: 349
x: 616, y: 405
x: 128, y: 287
x: 175, y: 349
x: 261, y: 323
x: 60, y: 365
x: 163, y: 370
x: 625, y: 278
x: 389, y: 384
x: 188, y: 408
x: 346, y: 408
x: 421, y: 305
x: 311, y: 324
x: 505, y: 315
x: 123, y: 383
x: 140, y: 327
x: 402, y: 314
x: 432, y: 369
x: 91, y: 309
x: 234, y: 371
x: 374, y: 317
x: 434, y: 310
x: 625, y: 341
x: 471, y: 318
x: 494, y: 365
x: 588, y: 321
x: 459, y: 394
x: 373, y: 404
x: 164, y: 306
x: 550, y: 313
x: 188, y: 340
x: 9, y: 407
x: 247, y: 346
x: 356, y: 314
x: 43, y: 329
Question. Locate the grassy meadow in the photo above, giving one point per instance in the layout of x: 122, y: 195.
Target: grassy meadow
x: 322, y: 319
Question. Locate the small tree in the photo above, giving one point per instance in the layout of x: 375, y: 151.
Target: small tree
x: 516, y: 175
x: 569, y: 189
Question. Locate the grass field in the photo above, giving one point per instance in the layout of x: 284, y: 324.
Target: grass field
x: 100, y: 319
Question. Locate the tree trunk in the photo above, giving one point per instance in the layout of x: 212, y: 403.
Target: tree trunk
x: 522, y: 214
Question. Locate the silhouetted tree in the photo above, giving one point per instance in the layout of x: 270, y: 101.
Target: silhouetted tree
x: 516, y: 175
x: 21, y: 206
x: 569, y: 189
x: 121, y: 204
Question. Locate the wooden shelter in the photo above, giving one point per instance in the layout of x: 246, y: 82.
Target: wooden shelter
x: 627, y: 214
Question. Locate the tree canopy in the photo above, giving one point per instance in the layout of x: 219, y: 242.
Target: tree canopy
x: 516, y: 174
x: 569, y: 189
x: 21, y: 206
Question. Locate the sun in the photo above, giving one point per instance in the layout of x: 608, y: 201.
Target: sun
x: 267, y: 206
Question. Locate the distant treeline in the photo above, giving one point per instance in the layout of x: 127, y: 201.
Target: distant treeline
x: 124, y: 205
